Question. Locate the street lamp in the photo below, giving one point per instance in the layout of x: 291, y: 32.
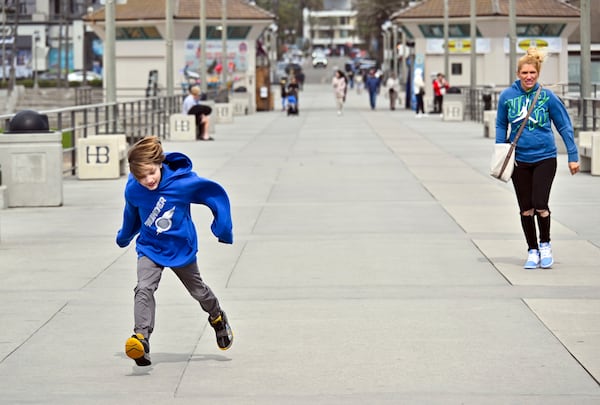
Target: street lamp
x: 394, y: 48
x: 36, y: 39
x: 385, y: 27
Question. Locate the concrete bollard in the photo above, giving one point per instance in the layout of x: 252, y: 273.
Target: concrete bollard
x: 31, y: 159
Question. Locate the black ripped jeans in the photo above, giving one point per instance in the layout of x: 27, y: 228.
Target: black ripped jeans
x: 532, y: 183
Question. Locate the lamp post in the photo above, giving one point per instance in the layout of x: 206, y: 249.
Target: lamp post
x: 446, y: 34
x: 224, y: 61
x: 202, y: 36
x: 512, y: 40
x: 36, y: 40
x: 394, y: 48
x: 385, y: 27
x: 272, y: 49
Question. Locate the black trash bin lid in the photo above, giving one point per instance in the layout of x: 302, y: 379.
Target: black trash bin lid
x: 28, y: 121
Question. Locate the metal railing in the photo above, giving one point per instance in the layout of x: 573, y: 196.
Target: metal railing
x: 135, y: 119
x: 585, y: 113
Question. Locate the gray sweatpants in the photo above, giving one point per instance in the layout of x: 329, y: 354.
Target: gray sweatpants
x: 148, y: 278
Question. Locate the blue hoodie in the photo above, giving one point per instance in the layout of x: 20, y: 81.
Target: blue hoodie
x: 537, y: 140
x: 162, y: 217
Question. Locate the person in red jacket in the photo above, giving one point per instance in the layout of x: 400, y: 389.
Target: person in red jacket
x: 440, y: 85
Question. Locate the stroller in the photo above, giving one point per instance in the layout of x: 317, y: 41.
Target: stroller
x: 292, y: 97
x: 292, y: 104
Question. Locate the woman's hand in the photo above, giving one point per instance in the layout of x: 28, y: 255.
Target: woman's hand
x: 574, y: 167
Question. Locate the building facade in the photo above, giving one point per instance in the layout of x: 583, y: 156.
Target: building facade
x: 333, y: 28
x: 141, y: 32
x: 546, y: 24
x: 43, y: 35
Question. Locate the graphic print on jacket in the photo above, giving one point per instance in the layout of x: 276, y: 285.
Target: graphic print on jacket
x: 518, y: 107
x: 164, y: 222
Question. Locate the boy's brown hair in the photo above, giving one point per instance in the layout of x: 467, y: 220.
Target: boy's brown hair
x: 146, y: 151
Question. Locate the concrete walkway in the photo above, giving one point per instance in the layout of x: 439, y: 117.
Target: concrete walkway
x: 375, y: 262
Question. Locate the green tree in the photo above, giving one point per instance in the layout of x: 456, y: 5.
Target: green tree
x: 289, y: 16
x: 371, y: 15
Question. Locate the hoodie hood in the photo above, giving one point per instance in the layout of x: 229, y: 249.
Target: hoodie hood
x: 175, y: 165
x: 516, y: 86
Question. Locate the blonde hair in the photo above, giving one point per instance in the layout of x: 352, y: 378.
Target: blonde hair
x: 146, y: 151
x: 533, y: 57
x: 195, y: 90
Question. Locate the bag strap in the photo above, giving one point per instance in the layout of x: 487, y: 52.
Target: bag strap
x: 537, y: 94
x: 513, y: 144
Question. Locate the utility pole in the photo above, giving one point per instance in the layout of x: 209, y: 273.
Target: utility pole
x: 512, y: 41
x: 224, y: 63
x: 394, y: 49
x: 109, y: 61
x: 4, y: 31
x: 585, y: 52
x: 36, y: 40
x: 13, y: 57
x: 446, y: 29
x: 202, y: 35
x: 169, y: 47
x: 473, y: 45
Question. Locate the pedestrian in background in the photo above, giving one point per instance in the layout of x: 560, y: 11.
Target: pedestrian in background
x: 359, y: 79
x: 440, y: 86
x: 283, y: 88
x: 393, y: 89
x: 201, y: 113
x: 419, y: 89
x: 339, y: 90
x: 535, y: 153
x: 372, y: 84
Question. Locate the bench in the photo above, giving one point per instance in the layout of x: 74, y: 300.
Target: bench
x: 489, y: 122
x: 589, y: 152
x: 102, y: 156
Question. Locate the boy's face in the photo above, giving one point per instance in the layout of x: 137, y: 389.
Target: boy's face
x: 150, y: 176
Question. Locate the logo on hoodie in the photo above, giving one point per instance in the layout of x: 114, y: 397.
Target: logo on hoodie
x: 518, y: 107
x: 164, y: 222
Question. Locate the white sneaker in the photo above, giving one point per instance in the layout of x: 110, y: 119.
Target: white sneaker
x: 546, y: 259
x: 533, y: 259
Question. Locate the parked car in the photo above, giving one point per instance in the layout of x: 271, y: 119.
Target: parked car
x: 318, y: 52
x: 77, y: 76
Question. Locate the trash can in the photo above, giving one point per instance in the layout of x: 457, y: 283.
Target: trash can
x: 486, y: 96
x: 31, y: 160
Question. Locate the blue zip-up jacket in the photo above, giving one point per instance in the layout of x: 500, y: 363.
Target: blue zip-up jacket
x: 162, y: 217
x: 537, y: 140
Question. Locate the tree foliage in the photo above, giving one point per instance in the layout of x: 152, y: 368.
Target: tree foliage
x: 373, y: 13
x: 289, y: 13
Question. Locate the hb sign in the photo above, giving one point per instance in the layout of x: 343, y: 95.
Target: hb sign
x: 101, y: 156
